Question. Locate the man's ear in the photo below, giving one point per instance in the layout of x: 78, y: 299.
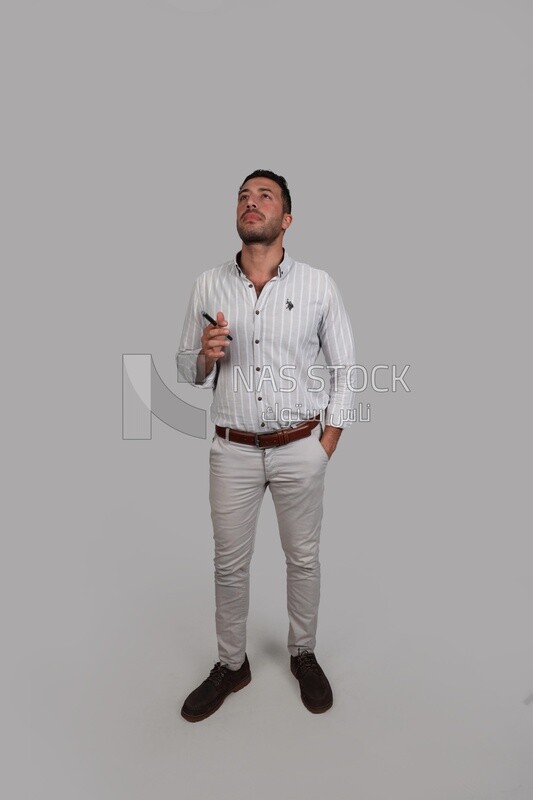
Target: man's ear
x: 287, y: 219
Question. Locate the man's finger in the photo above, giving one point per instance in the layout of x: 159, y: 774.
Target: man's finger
x: 219, y: 333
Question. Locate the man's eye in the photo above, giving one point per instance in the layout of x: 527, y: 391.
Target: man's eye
x: 266, y: 195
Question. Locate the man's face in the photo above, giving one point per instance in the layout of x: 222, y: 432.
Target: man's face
x: 260, y: 215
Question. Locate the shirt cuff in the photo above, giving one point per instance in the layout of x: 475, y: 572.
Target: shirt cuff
x: 186, y: 364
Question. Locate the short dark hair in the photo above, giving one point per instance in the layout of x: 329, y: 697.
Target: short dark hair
x: 279, y: 179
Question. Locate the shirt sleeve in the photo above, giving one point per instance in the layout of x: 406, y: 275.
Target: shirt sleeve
x: 190, y: 344
x: 337, y: 340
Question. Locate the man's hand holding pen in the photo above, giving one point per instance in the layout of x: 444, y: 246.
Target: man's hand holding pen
x: 214, y: 340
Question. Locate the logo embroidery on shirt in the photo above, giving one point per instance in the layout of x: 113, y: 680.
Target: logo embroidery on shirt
x: 289, y: 305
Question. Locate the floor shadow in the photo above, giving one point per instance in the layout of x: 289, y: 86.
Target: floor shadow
x: 272, y: 650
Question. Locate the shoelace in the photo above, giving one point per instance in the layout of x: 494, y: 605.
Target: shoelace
x: 217, y: 674
x: 307, y: 661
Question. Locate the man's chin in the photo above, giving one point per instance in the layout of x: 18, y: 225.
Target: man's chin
x: 255, y: 237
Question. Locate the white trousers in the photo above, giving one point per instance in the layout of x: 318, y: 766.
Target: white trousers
x: 239, y: 475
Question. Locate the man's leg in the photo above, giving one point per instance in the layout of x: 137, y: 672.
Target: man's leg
x: 296, y: 476
x: 237, y: 487
x: 296, y: 473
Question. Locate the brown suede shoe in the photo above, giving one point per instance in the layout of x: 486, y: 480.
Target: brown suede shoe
x: 315, y: 690
x: 210, y: 695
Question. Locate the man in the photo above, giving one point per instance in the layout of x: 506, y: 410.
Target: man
x: 273, y: 315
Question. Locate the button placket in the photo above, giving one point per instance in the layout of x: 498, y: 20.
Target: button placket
x: 257, y: 338
x: 257, y: 365
x: 249, y: 292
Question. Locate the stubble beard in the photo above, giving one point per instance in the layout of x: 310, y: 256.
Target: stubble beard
x: 266, y: 234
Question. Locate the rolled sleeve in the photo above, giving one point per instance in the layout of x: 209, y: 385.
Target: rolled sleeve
x: 338, y: 346
x: 190, y: 344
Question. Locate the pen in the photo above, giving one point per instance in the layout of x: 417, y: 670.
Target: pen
x: 214, y: 322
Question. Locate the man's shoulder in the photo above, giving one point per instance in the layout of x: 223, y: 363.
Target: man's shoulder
x: 306, y: 271
x: 216, y: 273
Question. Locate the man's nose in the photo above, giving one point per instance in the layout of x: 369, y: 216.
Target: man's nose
x: 250, y: 203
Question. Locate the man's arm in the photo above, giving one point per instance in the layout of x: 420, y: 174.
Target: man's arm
x: 338, y: 345
x: 192, y: 366
x: 330, y: 439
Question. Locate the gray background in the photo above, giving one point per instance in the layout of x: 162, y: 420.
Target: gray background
x: 404, y: 130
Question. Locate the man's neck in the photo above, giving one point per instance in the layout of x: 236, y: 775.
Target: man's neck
x: 261, y: 261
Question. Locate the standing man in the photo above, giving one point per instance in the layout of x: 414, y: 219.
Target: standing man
x: 278, y: 418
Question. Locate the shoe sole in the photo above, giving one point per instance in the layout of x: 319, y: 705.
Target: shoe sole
x: 319, y: 710
x: 199, y: 717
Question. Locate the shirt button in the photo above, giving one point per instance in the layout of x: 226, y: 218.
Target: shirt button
x: 257, y: 312
x: 257, y: 341
x: 258, y: 369
x: 251, y: 285
x: 259, y: 398
x: 262, y: 424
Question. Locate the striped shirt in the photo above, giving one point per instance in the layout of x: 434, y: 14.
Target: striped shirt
x: 271, y: 375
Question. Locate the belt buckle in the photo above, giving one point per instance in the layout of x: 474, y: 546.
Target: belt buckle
x: 257, y: 443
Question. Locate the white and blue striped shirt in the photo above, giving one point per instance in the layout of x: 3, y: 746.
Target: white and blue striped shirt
x: 270, y: 375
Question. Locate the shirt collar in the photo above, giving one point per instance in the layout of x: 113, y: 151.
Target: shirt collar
x: 283, y: 267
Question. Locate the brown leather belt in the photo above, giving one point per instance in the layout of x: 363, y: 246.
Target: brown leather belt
x: 274, y: 439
